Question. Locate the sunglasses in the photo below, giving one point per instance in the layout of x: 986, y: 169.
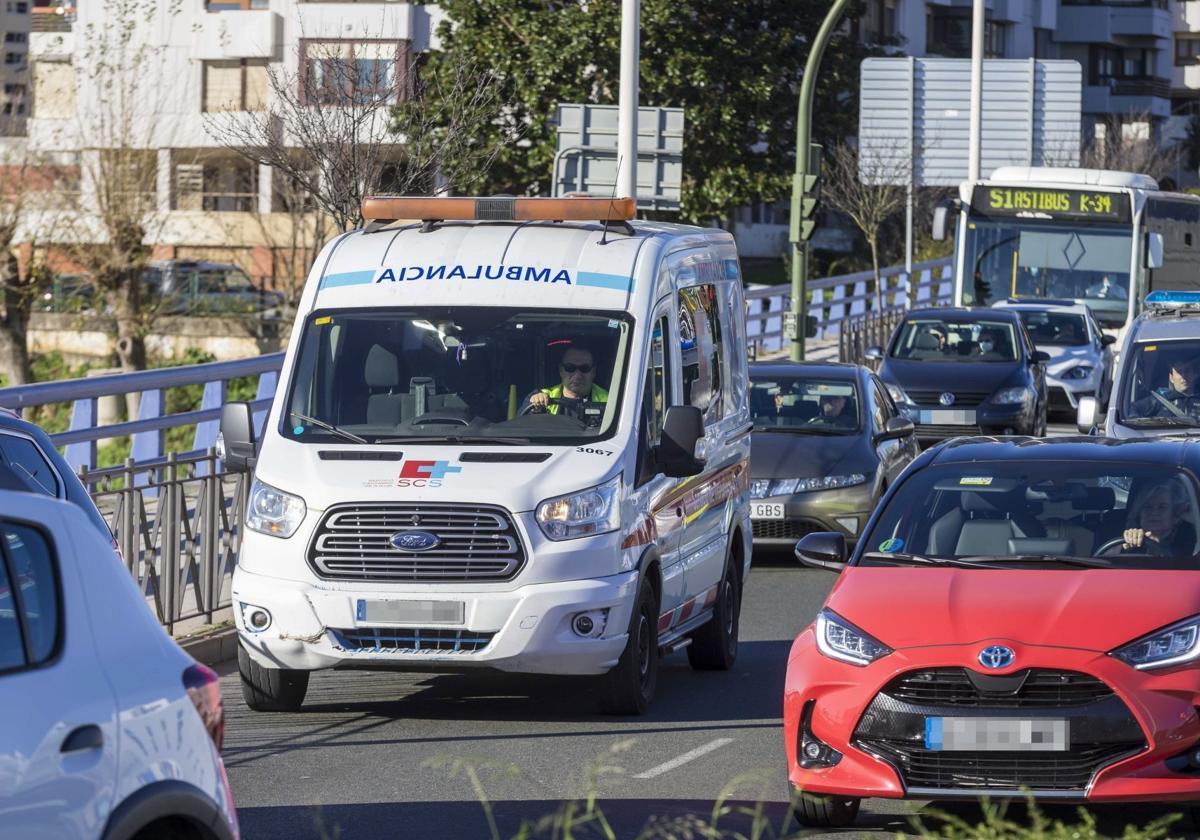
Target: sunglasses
x: 570, y: 368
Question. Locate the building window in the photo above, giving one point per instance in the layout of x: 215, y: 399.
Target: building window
x: 16, y: 8
x: 949, y: 34
x: 12, y: 58
x: 235, y: 5
x: 1120, y: 63
x: 879, y: 21
x: 218, y: 184
x: 1187, y: 50
x: 237, y: 85
x: 344, y: 72
x: 16, y: 38
x: 1043, y: 44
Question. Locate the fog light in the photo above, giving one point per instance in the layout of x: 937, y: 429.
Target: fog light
x: 255, y: 618
x: 589, y: 624
x: 850, y: 523
x: 814, y: 753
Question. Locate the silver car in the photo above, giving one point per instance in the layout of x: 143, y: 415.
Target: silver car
x: 1081, y: 357
x: 1156, y: 389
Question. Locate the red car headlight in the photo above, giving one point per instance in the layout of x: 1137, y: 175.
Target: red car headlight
x: 1174, y: 644
x: 838, y: 639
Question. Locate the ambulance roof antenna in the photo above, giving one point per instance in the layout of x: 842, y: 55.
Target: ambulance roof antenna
x: 611, y: 202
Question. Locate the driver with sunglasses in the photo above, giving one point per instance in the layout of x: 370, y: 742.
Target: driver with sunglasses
x: 577, y: 370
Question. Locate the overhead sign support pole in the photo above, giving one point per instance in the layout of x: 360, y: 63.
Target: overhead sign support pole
x: 805, y: 181
x: 976, y: 135
x: 627, y: 131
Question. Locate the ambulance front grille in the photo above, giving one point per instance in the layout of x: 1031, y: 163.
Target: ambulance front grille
x: 473, y: 543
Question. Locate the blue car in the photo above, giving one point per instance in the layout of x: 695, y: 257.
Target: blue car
x: 956, y: 371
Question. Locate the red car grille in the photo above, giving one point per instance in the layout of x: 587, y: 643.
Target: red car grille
x: 1034, y: 688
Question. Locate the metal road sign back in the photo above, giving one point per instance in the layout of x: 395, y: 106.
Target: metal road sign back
x: 586, y: 161
x: 918, y: 109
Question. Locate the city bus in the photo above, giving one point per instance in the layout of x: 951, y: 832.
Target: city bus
x: 1099, y: 237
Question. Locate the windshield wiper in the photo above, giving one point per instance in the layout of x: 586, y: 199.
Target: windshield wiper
x: 804, y: 430
x: 920, y: 560
x: 1162, y: 422
x: 1066, y: 560
x: 329, y: 427
x: 499, y: 441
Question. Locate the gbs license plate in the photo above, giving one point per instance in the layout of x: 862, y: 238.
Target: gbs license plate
x: 766, y: 510
x: 996, y: 734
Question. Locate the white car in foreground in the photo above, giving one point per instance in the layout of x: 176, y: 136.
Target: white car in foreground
x: 108, y: 730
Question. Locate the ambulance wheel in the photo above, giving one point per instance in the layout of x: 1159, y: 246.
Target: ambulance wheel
x: 714, y: 646
x: 629, y: 687
x: 825, y: 811
x: 270, y: 689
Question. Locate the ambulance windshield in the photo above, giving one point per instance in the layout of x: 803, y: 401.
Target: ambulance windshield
x: 466, y: 374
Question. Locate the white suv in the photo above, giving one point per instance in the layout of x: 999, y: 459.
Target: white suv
x: 109, y: 729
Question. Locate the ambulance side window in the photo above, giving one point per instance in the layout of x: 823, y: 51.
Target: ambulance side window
x: 656, y: 396
x: 702, y: 348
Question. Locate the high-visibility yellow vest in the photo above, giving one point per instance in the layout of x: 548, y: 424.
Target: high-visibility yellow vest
x: 598, y: 395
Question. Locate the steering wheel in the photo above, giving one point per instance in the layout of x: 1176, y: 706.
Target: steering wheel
x: 430, y: 419
x: 533, y: 408
x: 1148, y: 546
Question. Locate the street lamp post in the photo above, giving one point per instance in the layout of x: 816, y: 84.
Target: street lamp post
x: 804, y: 182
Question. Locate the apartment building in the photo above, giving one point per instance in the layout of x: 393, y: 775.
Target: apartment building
x: 1125, y: 47
x: 202, y: 65
x: 15, y: 26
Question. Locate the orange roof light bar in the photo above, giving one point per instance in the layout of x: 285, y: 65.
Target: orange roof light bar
x: 500, y: 209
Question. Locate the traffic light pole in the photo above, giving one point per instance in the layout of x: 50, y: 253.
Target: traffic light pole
x: 804, y: 183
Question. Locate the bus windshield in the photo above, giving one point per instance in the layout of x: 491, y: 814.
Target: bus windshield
x: 1015, y: 258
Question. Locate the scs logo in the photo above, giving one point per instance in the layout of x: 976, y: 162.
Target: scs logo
x: 425, y: 473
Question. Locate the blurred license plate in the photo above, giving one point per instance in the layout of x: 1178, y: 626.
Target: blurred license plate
x: 766, y: 510
x: 411, y: 612
x: 996, y: 734
x: 948, y: 417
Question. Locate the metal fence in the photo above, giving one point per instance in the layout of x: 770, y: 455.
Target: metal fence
x: 839, y: 302
x: 180, y: 542
x: 870, y: 331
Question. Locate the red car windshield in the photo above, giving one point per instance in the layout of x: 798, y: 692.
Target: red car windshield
x: 1129, y: 515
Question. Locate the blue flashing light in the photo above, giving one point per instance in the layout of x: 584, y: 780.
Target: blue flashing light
x: 1173, y: 300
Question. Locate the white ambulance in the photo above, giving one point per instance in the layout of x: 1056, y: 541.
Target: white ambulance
x: 512, y: 435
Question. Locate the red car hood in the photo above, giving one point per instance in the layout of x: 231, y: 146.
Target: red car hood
x: 1095, y: 609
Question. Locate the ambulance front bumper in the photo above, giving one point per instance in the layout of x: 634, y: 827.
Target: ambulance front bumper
x: 529, y: 629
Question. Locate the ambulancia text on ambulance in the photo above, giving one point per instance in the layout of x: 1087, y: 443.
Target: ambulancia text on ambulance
x: 513, y: 434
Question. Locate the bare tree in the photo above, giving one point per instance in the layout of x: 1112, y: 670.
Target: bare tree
x: 125, y: 95
x: 16, y: 287
x: 1126, y: 143
x: 867, y: 186
x: 294, y: 232
x: 339, y: 133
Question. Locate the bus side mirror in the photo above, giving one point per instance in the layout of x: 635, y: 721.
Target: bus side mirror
x: 235, y: 443
x: 1154, y: 250
x: 940, y: 214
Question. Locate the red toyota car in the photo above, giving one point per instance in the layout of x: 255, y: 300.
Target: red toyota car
x: 1020, y: 616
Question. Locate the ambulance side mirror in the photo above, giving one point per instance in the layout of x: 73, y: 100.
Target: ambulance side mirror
x: 235, y: 443
x: 675, y: 455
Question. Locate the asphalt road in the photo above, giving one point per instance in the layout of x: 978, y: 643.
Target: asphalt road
x: 378, y: 755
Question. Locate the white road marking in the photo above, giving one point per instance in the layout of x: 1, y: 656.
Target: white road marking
x: 684, y: 759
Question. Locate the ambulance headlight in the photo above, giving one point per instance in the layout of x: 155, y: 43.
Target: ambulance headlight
x: 273, y: 511
x: 596, y: 510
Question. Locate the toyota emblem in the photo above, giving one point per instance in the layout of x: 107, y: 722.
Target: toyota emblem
x: 996, y: 656
x: 946, y: 398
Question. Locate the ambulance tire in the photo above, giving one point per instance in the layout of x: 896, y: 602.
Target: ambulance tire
x: 815, y: 811
x: 271, y: 689
x: 629, y: 687
x: 714, y: 646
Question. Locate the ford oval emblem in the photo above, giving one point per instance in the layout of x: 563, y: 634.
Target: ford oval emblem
x: 996, y: 656
x: 414, y: 540
x: 946, y: 398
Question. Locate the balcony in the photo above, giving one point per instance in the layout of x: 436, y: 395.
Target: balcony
x: 1101, y: 23
x: 52, y: 19
x: 239, y: 34
x: 1151, y: 96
